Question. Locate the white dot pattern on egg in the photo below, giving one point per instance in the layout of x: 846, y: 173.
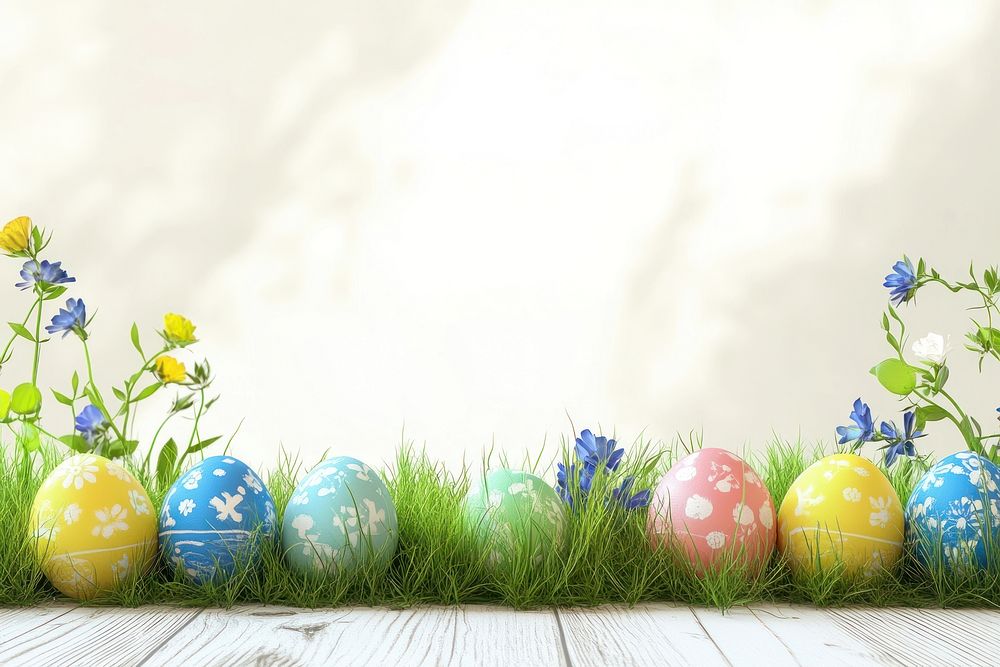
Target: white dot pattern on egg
x: 709, y: 501
x: 340, y: 516
x: 216, y: 517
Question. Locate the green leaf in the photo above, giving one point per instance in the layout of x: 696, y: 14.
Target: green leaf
x: 165, y: 462
x: 135, y: 340
x: 118, y: 448
x: 75, y: 442
x: 21, y: 330
x: 26, y: 399
x: 4, y: 405
x: 62, y: 398
x: 147, y: 392
x: 896, y: 375
x: 53, y: 293
x: 119, y: 394
x: 893, y: 343
x: 942, y: 378
x: 929, y: 413
x: 198, y: 446
x: 29, y: 439
x: 75, y: 382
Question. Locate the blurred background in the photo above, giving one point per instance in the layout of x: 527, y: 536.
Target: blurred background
x: 457, y: 222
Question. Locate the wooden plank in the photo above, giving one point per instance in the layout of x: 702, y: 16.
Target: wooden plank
x: 17, y: 621
x: 813, y: 637
x: 94, y: 636
x: 502, y: 636
x: 925, y: 636
x: 422, y: 636
x: 743, y: 639
x: 653, y: 634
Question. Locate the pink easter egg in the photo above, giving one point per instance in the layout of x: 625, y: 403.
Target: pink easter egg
x: 714, y: 506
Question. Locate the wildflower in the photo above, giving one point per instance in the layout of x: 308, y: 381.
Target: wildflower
x: 932, y: 347
x: 567, y: 479
x: 901, y: 442
x: 71, y: 318
x: 598, y: 451
x: 622, y: 496
x: 15, y: 235
x: 91, y: 423
x: 864, y: 428
x: 178, y: 330
x: 44, y: 274
x: 596, y: 455
x: 169, y: 370
x: 902, y: 282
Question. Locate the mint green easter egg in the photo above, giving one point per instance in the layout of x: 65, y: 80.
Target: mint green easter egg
x: 510, y: 512
x: 339, y: 518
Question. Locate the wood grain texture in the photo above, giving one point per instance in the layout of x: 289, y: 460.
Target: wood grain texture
x: 650, y: 634
x: 423, y: 636
x: 926, y: 636
x: 812, y: 636
x: 91, y: 636
x: 659, y: 634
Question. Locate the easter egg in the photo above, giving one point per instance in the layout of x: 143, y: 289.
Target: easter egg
x: 716, y: 508
x: 216, y: 517
x: 93, y: 525
x: 953, y: 513
x: 841, y: 509
x: 339, y: 516
x: 510, y: 512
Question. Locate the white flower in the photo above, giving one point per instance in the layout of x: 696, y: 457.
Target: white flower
x: 716, y: 539
x: 138, y: 502
x: 109, y: 521
x: 880, y: 511
x: 192, y: 481
x: 932, y: 347
x: 852, y: 495
x: 71, y: 513
x: 186, y: 506
x: 118, y: 472
x: 80, y: 470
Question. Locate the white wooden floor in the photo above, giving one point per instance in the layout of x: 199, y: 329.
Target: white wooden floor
x: 645, y: 635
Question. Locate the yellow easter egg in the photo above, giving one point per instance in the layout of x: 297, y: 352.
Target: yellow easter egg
x: 93, y: 525
x: 841, y: 508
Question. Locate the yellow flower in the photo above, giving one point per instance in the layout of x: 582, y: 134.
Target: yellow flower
x: 15, y: 235
x: 169, y: 369
x: 178, y: 329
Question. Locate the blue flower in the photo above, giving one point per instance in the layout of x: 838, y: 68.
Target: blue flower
x: 596, y: 455
x: 597, y: 451
x: 900, y: 442
x: 864, y: 428
x: 71, y: 318
x: 630, y: 502
x: 902, y: 282
x: 91, y: 423
x: 566, y: 481
x: 44, y: 274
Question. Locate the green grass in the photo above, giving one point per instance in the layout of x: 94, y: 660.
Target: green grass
x: 606, y: 558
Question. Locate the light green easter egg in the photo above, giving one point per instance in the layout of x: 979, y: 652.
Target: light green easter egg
x: 339, y: 518
x: 510, y: 512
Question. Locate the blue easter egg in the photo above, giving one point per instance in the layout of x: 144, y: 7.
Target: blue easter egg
x: 953, y: 513
x: 215, y: 517
x: 339, y: 517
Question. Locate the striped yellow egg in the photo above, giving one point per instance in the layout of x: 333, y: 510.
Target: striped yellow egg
x: 841, y: 508
x: 93, y: 525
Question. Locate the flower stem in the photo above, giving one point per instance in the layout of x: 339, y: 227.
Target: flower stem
x: 38, y: 344
x: 97, y: 393
x: 13, y: 337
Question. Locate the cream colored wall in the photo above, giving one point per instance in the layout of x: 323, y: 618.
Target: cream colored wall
x: 469, y: 218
